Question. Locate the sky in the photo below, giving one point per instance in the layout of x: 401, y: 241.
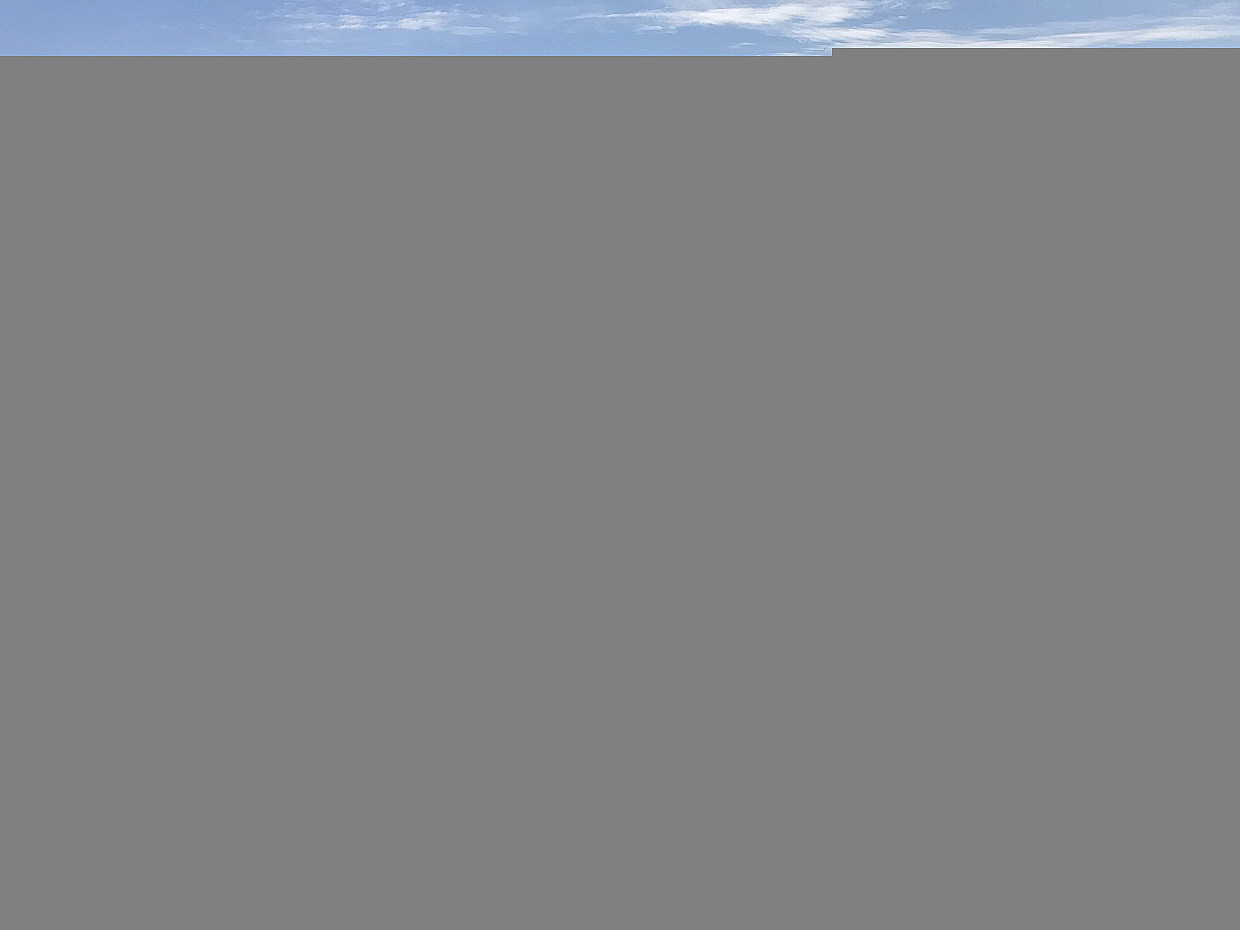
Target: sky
x: 598, y: 27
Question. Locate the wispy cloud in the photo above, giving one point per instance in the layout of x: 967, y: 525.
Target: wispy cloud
x: 869, y: 23
x: 807, y: 26
x: 778, y: 16
x: 384, y: 15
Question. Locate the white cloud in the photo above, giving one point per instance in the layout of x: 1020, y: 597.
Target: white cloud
x: 837, y: 24
x: 755, y: 16
x: 433, y: 20
x: 816, y: 25
x: 401, y: 15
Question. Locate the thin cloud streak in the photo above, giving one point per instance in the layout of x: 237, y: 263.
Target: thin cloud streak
x: 401, y: 16
x: 815, y: 26
x: 827, y: 24
x: 753, y: 16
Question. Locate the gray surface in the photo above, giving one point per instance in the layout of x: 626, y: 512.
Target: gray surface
x: 520, y: 592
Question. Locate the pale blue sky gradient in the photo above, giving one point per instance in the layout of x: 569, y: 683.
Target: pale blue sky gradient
x: 598, y: 27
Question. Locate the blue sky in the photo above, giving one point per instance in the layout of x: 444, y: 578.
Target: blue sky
x: 598, y: 27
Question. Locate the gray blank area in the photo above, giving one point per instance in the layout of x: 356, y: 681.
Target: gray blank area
x: 724, y: 567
